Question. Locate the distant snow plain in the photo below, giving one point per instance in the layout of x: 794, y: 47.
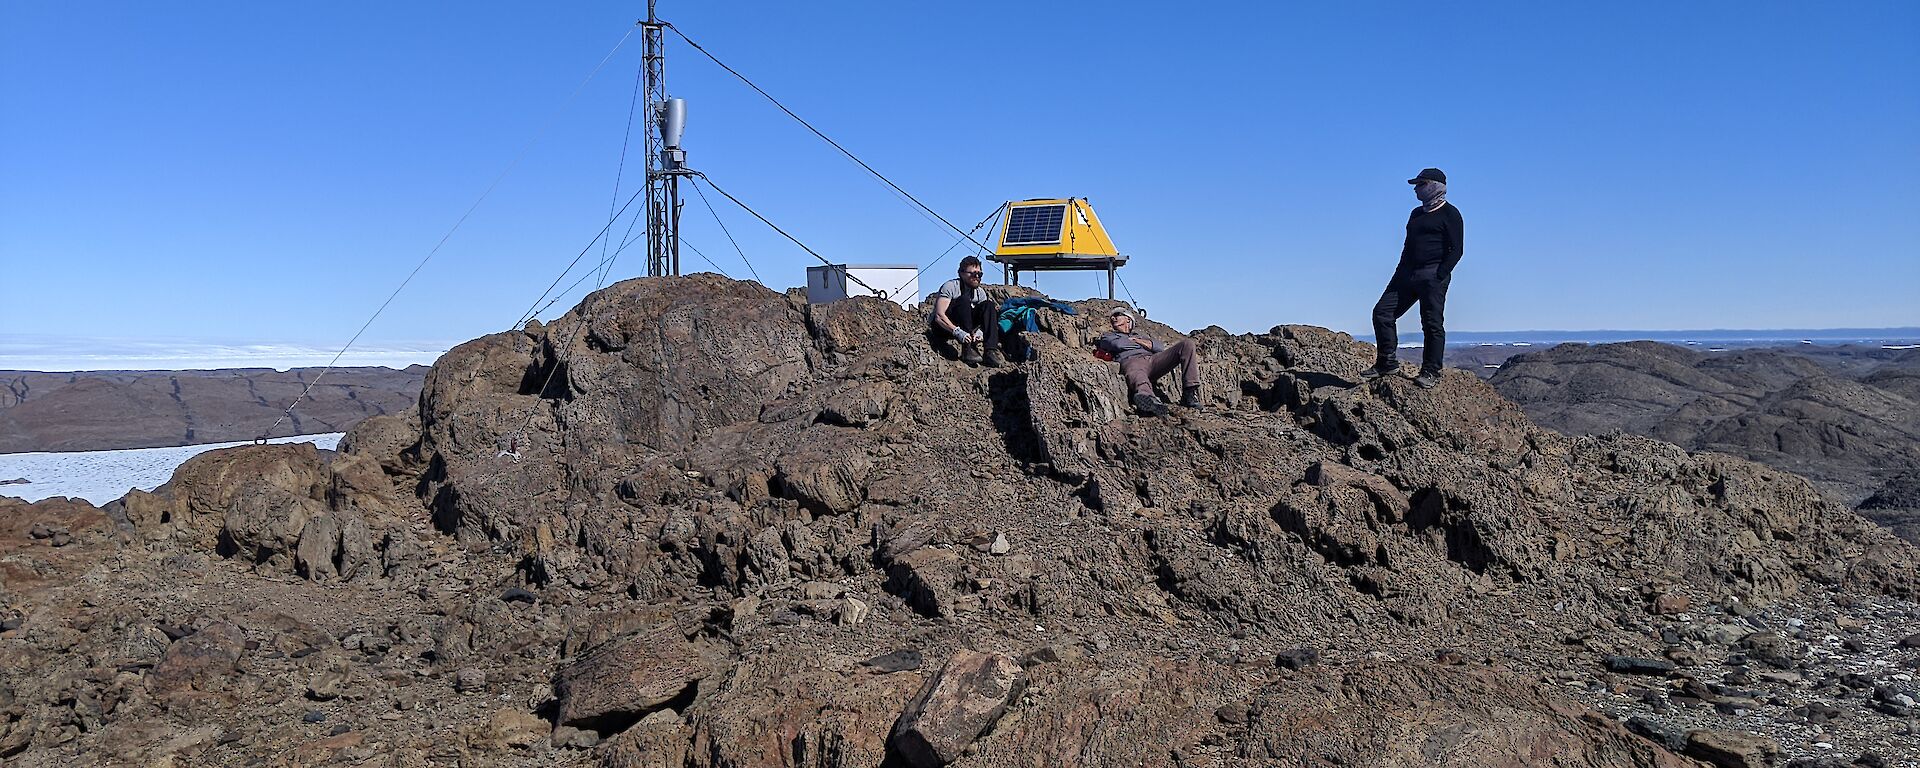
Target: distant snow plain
x: 102, y: 476
x: 39, y: 352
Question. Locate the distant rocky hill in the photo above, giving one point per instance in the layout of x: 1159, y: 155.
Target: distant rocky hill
x: 1847, y: 418
x: 697, y: 523
x: 101, y: 410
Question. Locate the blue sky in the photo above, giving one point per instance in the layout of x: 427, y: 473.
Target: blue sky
x: 264, y: 172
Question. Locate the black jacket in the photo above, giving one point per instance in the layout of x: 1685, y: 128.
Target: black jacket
x: 1434, y: 238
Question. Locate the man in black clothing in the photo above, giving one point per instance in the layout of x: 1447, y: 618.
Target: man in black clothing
x: 964, y: 310
x: 1434, y: 238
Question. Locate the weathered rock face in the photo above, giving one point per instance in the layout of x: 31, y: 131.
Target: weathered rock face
x: 697, y: 523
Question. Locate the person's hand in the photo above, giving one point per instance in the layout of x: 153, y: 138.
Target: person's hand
x: 962, y: 336
x: 1144, y: 342
x: 979, y: 335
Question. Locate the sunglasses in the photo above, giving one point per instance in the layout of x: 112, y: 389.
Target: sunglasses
x: 975, y: 273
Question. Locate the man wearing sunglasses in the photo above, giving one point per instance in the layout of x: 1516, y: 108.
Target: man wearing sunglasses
x: 962, y: 309
x: 1432, y: 249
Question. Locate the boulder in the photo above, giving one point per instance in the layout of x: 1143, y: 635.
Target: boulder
x: 200, y: 661
x: 955, y: 706
x: 1731, y: 749
x: 615, y: 684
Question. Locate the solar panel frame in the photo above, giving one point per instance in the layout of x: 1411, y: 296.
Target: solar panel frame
x: 1035, y: 225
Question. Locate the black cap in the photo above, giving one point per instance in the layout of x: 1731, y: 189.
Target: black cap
x: 1430, y: 174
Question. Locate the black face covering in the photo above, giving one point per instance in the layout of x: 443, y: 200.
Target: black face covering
x: 1432, y: 193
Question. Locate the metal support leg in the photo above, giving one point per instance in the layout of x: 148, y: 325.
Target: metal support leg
x: 1109, y: 279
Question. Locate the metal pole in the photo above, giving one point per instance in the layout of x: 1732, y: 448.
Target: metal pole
x: 673, y: 230
x: 1109, y: 279
x: 659, y: 216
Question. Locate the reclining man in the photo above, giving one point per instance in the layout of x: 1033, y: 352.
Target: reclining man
x: 962, y: 309
x: 1142, y: 360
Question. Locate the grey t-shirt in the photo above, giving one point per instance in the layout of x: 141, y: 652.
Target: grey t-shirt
x: 952, y: 290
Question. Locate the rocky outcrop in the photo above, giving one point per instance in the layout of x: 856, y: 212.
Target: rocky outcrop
x: 285, y: 508
x: 694, y: 522
x: 104, y: 410
x: 1848, y: 424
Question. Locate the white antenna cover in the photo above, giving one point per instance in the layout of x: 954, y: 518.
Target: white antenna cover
x: 673, y: 122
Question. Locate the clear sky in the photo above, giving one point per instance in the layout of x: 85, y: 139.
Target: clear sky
x: 268, y: 172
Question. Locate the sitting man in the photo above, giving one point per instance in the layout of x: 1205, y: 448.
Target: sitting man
x: 963, y: 309
x: 1142, y: 360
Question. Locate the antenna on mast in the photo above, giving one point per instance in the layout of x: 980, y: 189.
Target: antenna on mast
x: 666, y: 161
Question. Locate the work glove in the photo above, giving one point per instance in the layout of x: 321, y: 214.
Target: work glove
x: 979, y: 336
x: 962, y: 336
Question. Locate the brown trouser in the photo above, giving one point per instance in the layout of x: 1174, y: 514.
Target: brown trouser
x: 1141, y: 370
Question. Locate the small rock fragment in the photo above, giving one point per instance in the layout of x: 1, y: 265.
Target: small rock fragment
x: 470, y: 679
x: 513, y: 728
x: 896, y: 661
x: 1631, y: 665
x: 1660, y: 733
x: 1731, y: 749
x: 1670, y: 603
x: 1000, y: 546
x: 850, y: 611
x: 1297, y: 659
x: 569, y: 737
x: 518, y: 595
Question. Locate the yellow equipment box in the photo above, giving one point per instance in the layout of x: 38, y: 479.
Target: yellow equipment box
x: 1055, y: 234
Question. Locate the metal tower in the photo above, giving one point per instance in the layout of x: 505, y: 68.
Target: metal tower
x: 666, y: 161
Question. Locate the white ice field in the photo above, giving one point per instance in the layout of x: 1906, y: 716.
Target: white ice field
x: 102, y: 476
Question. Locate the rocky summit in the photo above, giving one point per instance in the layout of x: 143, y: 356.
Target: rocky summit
x: 697, y: 523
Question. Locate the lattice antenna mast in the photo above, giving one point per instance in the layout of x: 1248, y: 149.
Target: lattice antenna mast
x: 666, y: 161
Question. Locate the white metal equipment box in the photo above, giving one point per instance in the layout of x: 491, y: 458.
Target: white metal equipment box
x: 829, y: 282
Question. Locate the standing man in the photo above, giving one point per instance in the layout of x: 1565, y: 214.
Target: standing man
x: 1434, y: 237
x: 1142, y: 360
x: 962, y: 309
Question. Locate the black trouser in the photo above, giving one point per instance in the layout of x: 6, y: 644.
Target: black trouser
x: 974, y: 317
x: 1426, y: 286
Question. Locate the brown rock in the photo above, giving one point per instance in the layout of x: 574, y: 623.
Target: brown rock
x: 1731, y: 749
x: 954, y: 707
x: 513, y: 728
x: 1670, y: 603
x: 930, y: 579
x: 627, y: 677
x: 200, y: 660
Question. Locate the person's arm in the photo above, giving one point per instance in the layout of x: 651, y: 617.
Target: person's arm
x: 940, y: 304
x: 1146, y: 343
x: 1406, y: 246
x: 1456, y: 242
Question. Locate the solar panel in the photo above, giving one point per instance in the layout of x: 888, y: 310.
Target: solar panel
x: 1034, y: 224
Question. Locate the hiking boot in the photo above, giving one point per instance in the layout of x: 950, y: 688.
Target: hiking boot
x: 1379, y: 370
x: 1149, y: 405
x: 970, y: 354
x: 1428, y: 379
x: 993, y: 358
x: 1190, y: 398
